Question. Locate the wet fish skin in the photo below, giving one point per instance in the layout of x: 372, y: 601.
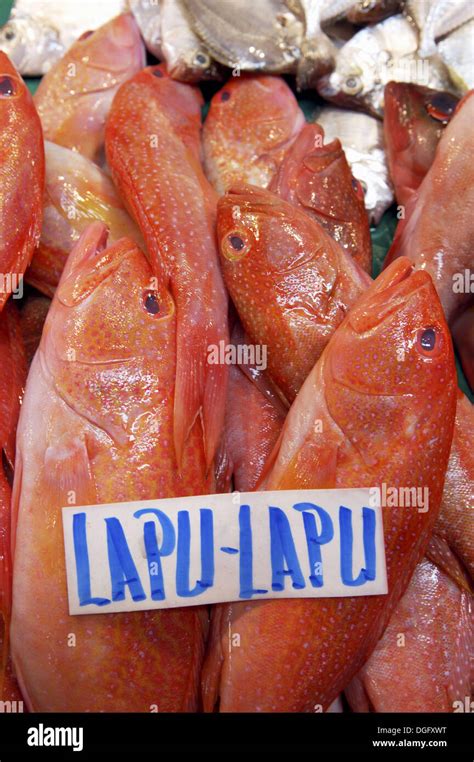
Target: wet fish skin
x: 22, y: 173
x: 361, y: 137
x: 187, y: 59
x: 431, y: 671
x: 152, y: 147
x: 39, y: 32
x: 454, y: 524
x: 414, y: 120
x: 316, y: 177
x: 291, y: 283
x: 250, y: 36
x: 437, y: 232
x: 77, y: 192
x: 74, y: 97
x: 12, y: 385
x: 251, y: 123
x: 377, y: 55
x: 103, y: 429
x: 333, y: 638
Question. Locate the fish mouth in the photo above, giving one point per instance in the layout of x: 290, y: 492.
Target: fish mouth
x: 389, y: 293
x: 90, y: 264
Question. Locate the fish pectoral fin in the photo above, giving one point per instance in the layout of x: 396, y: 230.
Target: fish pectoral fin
x: 201, y: 388
x: 312, y: 467
x: 68, y: 474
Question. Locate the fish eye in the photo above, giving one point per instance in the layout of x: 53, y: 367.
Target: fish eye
x: 428, y: 341
x: 8, y: 86
x: 150, y: 302
x: 157, y: 73
x: 9, y: 34
x: 201, y: 59
x: 441, y: 106
x: 225, y: 96
x: 352, y: 85
x: 235, y: 245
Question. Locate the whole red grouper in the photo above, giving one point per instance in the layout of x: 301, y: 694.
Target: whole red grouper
x: 317, y: 178
x: 12, y: 382
x: 422, y: 662
x: 152, y: 146
x: 437, y: 234
x: 291, y: 283
x: 76, y: 193
x: 377, y: 408
x: 21, y: 178
x: 251, y: 123
x: 97, y: 419
x: 74, y: 97
x: 414, y: 120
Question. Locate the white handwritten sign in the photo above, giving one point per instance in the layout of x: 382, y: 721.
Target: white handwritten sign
x: 191, y: 551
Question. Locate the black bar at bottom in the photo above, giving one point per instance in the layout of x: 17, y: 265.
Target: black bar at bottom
x: 427, y: 735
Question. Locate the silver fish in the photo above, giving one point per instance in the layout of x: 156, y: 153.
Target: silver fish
x: 318, y: 51
x: 265, y: 35
x: 148, y: 17
x: 38, y: 32
x: 457, y: 52
x: 437, y: 18
x: 361, y: 137
x: 186, y: 57
x: 377, y: 55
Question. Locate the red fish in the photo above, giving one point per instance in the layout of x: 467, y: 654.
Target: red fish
x: 77, y: 192
x: 74, y: 97
x: 414, y: 120
x: 298, y: 654
x: 455, y: 523
x: 97, y: 419
x: 151, y: 144
x: 12, y: 382
x: 422, y: 662
x: 22, y: 178
x: 437, y: 234
x: 252, y: 121
x: 317, y: 178
x: 291, y: 283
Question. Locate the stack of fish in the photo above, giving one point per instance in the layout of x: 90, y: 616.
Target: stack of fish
x: 146, y: 240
